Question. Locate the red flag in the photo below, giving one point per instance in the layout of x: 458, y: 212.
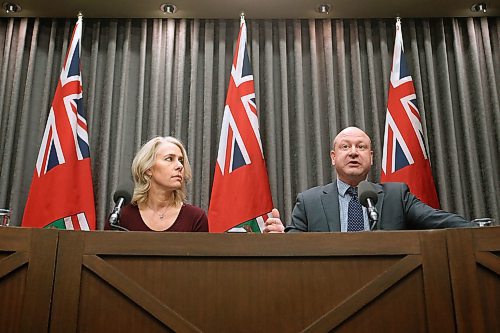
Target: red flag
x: 61, y: 193
x: 405, y: 157
x: 240, y: 193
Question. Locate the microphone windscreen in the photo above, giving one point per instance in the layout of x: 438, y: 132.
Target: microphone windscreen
x: 365, y: 191
x: 124, y: 190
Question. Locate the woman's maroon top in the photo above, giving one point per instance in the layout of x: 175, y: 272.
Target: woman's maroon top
x: 190, y: 219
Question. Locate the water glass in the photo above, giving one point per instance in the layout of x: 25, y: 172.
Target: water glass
x: 484, y: 221
x: 4, y: 217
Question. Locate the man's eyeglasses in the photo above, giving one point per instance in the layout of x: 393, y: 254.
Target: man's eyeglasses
x: 359, y: 147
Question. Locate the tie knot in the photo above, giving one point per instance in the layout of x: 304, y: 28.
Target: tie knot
x: 352, y: 191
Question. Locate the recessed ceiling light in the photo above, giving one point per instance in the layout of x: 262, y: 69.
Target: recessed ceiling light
x: 479, y: 7
x: 323, y: 8
x: 11, y: 7
x: 168, y: 8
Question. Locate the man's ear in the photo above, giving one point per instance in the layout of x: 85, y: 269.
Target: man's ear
x: 332, y: 156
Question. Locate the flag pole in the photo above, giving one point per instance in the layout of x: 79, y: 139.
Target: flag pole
x: 53, y: 201
x: 241, y: 197
x: 415, y: 169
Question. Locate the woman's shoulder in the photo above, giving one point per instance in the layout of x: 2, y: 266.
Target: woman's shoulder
x: 192, y: 209
x: 130, y: 209
x: 130, y: 206
x: 131, y: 215
x: 130, y: 218
x: 192, y: 218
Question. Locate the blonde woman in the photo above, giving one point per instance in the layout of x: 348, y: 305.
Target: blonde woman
x: 161, y: 170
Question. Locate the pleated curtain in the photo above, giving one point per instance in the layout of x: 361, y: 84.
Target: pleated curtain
x: 148, y: 77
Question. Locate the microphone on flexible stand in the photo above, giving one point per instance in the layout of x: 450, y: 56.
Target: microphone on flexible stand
x: 368, y: 197
x: 121, y: 197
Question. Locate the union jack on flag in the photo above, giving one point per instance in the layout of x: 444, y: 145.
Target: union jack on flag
x: 404, y: 157
x: 61, y: 188
x: 231, y: 139
x: 241, y: 196
x: 52, y: 153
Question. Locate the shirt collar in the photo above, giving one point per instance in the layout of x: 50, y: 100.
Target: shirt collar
x: 342, y: 187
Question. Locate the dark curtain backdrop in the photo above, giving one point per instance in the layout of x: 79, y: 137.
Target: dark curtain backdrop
x: 147, y: 77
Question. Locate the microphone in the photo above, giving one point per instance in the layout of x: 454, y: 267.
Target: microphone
x: 121, y: 197
x: 368, y: 197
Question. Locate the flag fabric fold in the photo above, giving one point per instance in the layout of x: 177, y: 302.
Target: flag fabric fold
x: 241, y: 196
x: 61, y: 193
x: 405, y: 156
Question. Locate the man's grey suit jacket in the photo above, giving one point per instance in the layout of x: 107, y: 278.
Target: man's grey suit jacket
x: 317, y: 210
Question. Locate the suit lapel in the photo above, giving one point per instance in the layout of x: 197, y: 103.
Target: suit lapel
x: 380, y: 203
x: 330, y: 202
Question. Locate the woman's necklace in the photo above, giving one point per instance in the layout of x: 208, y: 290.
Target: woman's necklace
x: 160, y: 215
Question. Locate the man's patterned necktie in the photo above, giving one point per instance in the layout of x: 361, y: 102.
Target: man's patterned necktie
x: 355, y: 212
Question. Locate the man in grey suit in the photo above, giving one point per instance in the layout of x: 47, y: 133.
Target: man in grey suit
x: 327, y: 208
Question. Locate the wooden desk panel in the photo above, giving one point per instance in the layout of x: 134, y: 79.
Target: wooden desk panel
x: 474, y: 258
x: 27, y: 261
x: 251, y: 283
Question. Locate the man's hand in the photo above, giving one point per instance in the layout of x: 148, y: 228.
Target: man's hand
x: 274, y: 224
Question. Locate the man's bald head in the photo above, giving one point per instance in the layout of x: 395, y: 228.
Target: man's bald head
x: 351, y: 131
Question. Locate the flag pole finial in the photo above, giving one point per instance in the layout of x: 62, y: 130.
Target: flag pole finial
x: 242, y: 17
x: 80, y: 15
x: 398, y: 22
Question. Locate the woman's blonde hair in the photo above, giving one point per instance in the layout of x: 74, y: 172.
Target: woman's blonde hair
x: 145, y: 159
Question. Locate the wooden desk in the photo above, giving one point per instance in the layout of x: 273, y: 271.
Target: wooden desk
x: 404, y: 281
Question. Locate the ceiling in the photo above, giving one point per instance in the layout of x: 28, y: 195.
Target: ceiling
x: 253, y: 9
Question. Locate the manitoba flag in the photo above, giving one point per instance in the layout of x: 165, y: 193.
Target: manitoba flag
x: 405, y: 157
x: 61, y: 193
x: 241, y: 196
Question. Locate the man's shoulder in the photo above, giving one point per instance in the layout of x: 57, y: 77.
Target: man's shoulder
x: 391, y: 186
x: 321, y: 189
x: 332, y: 188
